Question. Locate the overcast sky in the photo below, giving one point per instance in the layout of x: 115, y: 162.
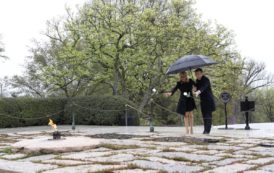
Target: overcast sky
x: 250, y: 20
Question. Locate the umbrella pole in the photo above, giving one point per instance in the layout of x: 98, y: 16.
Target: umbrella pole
x: 191, y: 74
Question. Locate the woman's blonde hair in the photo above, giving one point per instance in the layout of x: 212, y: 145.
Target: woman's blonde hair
x: 184, y: 73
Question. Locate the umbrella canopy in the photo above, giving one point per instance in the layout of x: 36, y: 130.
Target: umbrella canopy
x: 189, y: 62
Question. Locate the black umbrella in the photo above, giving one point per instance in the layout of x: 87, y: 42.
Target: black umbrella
x: 189, y: 62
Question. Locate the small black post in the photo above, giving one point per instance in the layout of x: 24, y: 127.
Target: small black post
x: 246, y: 121
x: 151, y: 128
x: 225, y: 97
x: 126, y: 115
x: 247, y: 116
x: 73, y: 121
x: 226, y: 117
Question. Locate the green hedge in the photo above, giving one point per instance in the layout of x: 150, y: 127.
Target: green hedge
x: 30, y: 109
x: 87, y: 110
x: 100, y: 110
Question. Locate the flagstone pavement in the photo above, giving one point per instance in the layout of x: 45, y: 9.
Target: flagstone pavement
x: 105, y: 149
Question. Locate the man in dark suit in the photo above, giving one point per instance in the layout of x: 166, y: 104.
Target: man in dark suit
x: 203, y: 89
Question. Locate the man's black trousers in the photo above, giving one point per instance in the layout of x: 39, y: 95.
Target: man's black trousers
x: 207, y: 117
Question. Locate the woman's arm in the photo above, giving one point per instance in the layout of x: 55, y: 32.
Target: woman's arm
x: 174, y: 89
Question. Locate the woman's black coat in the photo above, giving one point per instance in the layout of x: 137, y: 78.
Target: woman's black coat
x: 185, y: 104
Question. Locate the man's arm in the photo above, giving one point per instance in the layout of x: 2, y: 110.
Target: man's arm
x: 205, y: 84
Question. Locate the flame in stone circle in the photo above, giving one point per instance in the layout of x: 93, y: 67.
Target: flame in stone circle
x: 51, y: 123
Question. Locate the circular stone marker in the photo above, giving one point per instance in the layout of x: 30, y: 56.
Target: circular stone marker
x: 46, y: 145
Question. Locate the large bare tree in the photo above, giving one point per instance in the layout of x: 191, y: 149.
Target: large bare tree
x: 255, y: 76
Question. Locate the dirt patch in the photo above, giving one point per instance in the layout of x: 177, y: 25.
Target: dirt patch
x: 7, y: 140
x: 5, y: 171
x: 267, y: 145
x: 192, y: 140
x: 118, y: 147
x: 115, y: 136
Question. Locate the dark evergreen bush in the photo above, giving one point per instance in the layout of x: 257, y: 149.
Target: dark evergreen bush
x: 30, y: 109
x: 100, y: 110
x: 93, y: 110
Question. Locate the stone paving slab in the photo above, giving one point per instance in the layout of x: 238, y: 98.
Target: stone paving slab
x: 140, y: 151
x: 184, y: 148
x: 261, y: 161
x: 136, y: 171
x: 234, y: 168
x: 222, y: 148
x: 267, y: 151
x: 85, y: 168
x: 114, y: 158
x: 4, y: 145
x: 14, y: 156
x: 257, y: 171
x: 187, y: 156
x: 207, y: 152
x: 269, y: 168
x: 228, y: 161
x: 26, y: 167
x: 244, y: 152
x: 161, y: 160
x: 85, y: 155
x: 172, y: 167
x: 65, y: 162
x: 38, y: 158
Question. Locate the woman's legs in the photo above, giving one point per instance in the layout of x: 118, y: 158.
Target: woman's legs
x: 190, y: 118
x: 186, y: 120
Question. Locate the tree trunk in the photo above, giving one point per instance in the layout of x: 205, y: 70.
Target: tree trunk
x: 116, y: 78
x: 116, y: 83
x: 145, y: 99
x: 124, y: 88
x: 235, y: 111
x: 123, y: 83
x: 148, y: 93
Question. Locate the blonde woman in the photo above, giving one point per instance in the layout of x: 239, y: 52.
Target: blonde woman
x: 186, y: 103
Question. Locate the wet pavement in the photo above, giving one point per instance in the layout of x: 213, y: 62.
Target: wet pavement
x: 135, y: 149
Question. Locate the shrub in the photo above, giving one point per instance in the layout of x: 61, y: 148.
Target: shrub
x: 100, y: 110
x: 93, y: 110
x: 13, y: 109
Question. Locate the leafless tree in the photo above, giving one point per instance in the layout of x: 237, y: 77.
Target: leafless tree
x: 266, y: 102
x: 255, y: 76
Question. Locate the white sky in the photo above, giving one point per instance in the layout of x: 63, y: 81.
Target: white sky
x: 252, y: 23
x: 251, y: 20
x: 20, y: 22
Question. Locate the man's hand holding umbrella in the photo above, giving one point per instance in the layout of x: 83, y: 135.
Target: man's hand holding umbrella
x: 197, y: 93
